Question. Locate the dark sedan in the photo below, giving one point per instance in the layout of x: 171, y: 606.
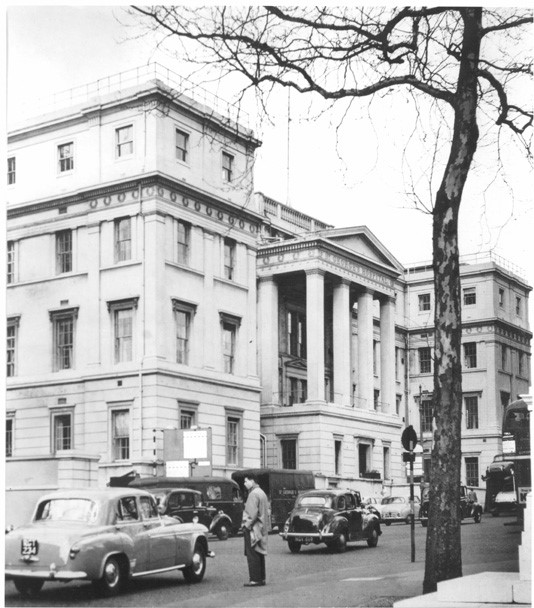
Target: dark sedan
x: 333, y: 517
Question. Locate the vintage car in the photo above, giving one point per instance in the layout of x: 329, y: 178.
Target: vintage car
x: 104, y: 536
x: 373, y: 503
x: 397, y: 509
x: 221, y: 493
x: 333, y: 517
x: 468, y: 508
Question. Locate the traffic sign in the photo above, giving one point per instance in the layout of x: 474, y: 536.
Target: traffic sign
x: 409, y: 438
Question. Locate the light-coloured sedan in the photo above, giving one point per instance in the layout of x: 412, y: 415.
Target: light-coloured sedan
x: 104, y: 536
x: 397, y: 509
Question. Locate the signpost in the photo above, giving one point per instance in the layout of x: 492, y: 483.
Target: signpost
x: 409, y: 441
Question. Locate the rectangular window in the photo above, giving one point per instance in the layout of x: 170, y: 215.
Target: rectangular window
x: 289, y: 453
x: 504, y: 357
x: 375, y: 357
x: 227, y: 167
x: 184, y: 240
x: 337, y: 456
x: 120, y: 434
x: 63, y: 330
x: 518, y: 306
x: 10, y: 259
x: 229, y: 259
x: 9, y: 436
x: 182, y: 145
x: 376, y: 399
x: 470, y: 355
x: 11, y: 171
x: 427, y: 415
x: 298, y: 390
x: 232, y: 440
x: 11, y: 348
x: 229, y: 336
x: 10, y: 424
x: 425, y: 360
x: 398, y: 403
x: 65, y: 157
x: 501, y: 297
x: 364, y: 463
x: 63, y: 251
x: 424, y: 302
x: 124, y: 141
x: 386, y: 463
x: 182, y: 320
x: 470, y: 296
x: 187, y: 419
x: 471, y: 412
x: 471, y: 471
x: 123, y: 239
x: 296, y: 327
x: 62, y: 432
x: 123, y: 331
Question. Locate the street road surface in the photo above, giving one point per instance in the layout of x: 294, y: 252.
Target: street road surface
x: 315, y: 577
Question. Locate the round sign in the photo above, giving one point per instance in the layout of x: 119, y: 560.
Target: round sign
x: 409, y: 438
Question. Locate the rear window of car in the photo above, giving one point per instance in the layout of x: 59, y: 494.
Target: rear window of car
x: 315, y: 501
x: 68, y: 509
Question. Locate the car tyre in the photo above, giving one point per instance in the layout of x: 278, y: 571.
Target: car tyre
x: 373, y: 541
x: 294, y: 546
x: 28, y: 587
x: 222, y: 532
x: 495, y: 513
x: 424, y: 523
x: 195, y: 572
x: 388, y: 523
x: 112, y: 579
x: 341, y: 543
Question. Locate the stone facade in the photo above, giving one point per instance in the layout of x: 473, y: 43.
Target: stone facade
x: 149, y: 289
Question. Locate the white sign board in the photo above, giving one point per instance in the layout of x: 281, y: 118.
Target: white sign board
x: 177, y: 468
x: 195, y: 445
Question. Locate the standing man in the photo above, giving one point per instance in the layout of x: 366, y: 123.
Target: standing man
x: 255, y: 531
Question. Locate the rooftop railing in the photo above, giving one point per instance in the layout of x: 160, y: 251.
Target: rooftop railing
x: 471, y: 259
x: 116, y: 83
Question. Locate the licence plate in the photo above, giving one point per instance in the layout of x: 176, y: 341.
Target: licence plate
x: 303, y: 539
x: 29, y: 547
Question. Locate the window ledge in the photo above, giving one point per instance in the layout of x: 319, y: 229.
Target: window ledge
x: 231, y: 283
x: 66, y: 275
x: 179, y: 266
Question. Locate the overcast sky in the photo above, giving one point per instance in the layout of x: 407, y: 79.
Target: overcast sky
x: 348, y: 178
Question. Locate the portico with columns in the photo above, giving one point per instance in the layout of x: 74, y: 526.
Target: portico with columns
x: 327, y: 352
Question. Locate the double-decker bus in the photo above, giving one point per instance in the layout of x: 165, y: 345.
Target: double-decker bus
x: 508, y: 477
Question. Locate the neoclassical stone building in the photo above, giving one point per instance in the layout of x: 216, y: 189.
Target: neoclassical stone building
x: 149, y: 290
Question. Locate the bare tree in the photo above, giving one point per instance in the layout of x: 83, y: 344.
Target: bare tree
x: 470, y: 62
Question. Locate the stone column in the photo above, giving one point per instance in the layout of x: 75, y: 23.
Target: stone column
x: 208, y: 316
x: 315, y: 334
x: 268, y: 337
x: 365, y: 350
x: 387, y: 354
x: 342, y: 337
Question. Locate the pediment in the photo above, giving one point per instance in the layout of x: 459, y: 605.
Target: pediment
x: 362, y: 241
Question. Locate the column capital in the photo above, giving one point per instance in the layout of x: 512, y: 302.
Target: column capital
x: 267, y: 279
x: 342, y: 282
x: 363, y: 291
x: 315, y: 271
x: 386, y: 299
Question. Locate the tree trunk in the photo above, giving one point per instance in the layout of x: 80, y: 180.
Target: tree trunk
x: 443, y: 543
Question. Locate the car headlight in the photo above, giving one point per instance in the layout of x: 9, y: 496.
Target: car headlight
x: 286, y: 526
x: 74, y: 550
x: 195, y: 519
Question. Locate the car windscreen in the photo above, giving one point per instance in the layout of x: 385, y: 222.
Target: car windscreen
x: 67, y: 509
x: 314, y: 501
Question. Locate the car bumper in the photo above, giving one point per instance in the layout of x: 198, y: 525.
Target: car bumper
x: 45, y: 575
x: 313, y: 536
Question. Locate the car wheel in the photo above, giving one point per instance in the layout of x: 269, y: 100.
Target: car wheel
x: 424, y: 523
x: 28, y: 587
x: 408, y: 520
x: 373, y: 540
x: 294, y: 546
x: 478, y: 517
x: 112, y: 578
x: 195, y: 572
x: 495, y: 513
x: 222, y: 532
x: 388, y: 523
x: 341, y: 543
